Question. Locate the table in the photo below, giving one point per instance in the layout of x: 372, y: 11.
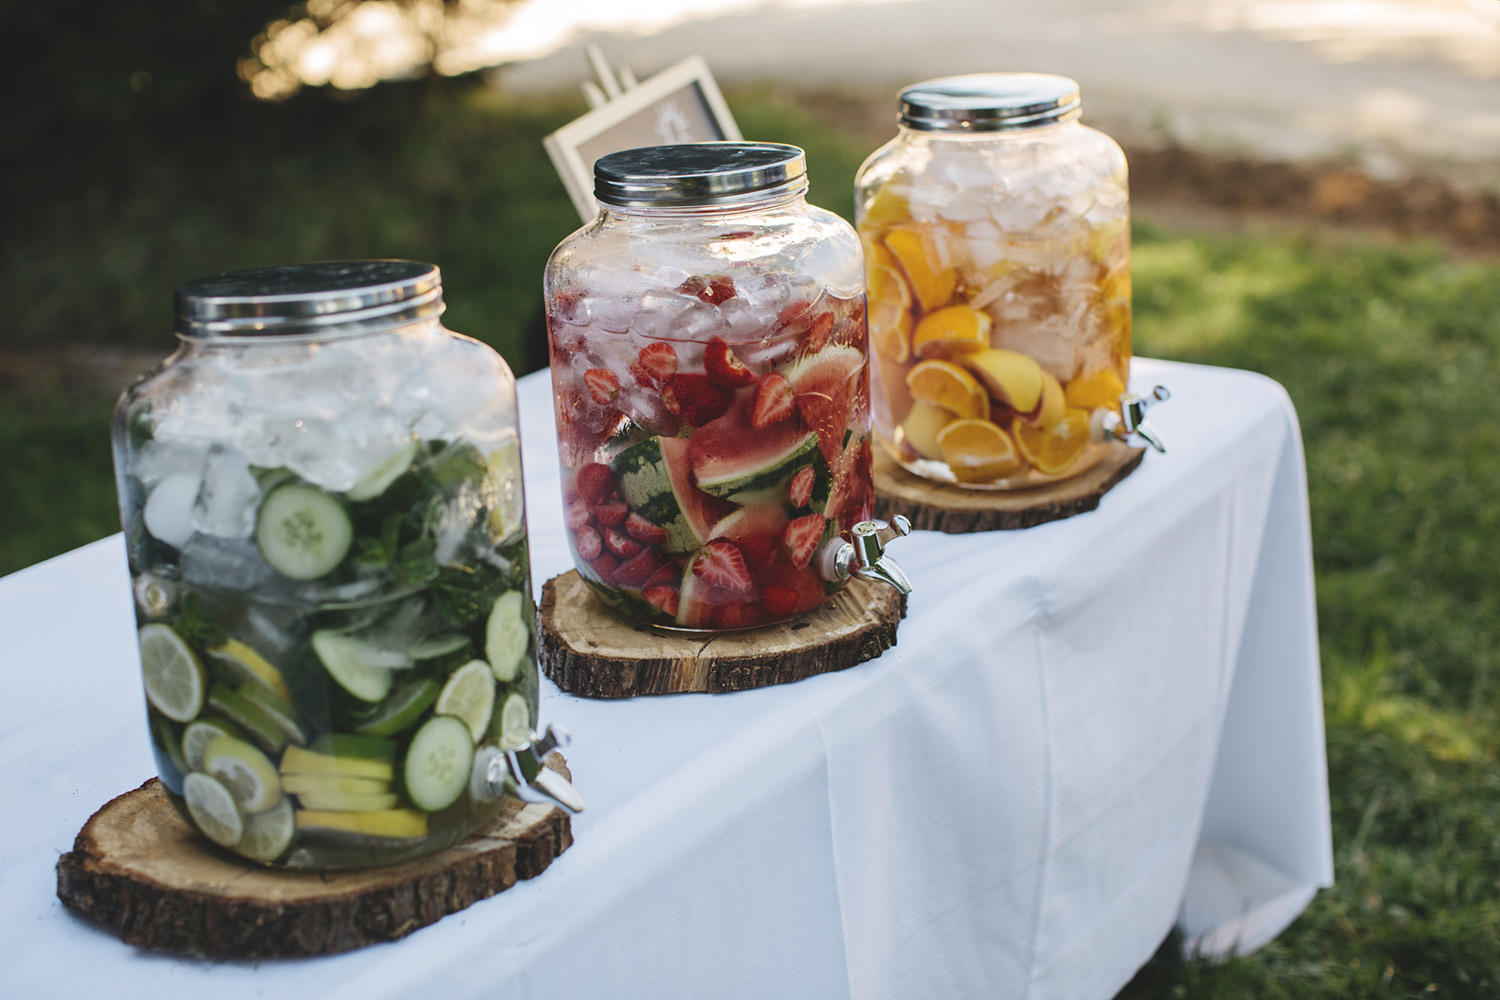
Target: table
x: 1088, y: 731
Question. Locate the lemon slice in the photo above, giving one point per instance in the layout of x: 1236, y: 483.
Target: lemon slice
x: 503, y: 489
x: 1053, y: 405
x: 942, y: 383
x: 212, y: 808
x: 268, y: 834
x: 1009, y: 376
x: 887, y: 207
x: 950, y: 331
x: 400, y: 823
x: 1056, y: 449
x: 890, y: 311
x: 248, y: 774
x: 921, y: 427
x: 469, y: 696
x: 174, y: 679
x: 1099, y: 390
x: 515, y: 723
x: 246, y: 664
x: 978, y: 451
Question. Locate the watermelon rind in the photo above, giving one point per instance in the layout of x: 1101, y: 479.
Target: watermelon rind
x: 655, y: 481
x: 761, y: 473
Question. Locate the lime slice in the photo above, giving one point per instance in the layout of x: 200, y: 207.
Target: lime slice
x: 197, y: 736
x: 469, y: 696
x: 507, y: 635
x: 213, y: 810
x: 398, y: 712
x: 502, y: 489
x: 515, y: 723
x: 276, y: 708
x: 262, y: 730
x: 248, y: 774
x: 245, y: 664
x: 375, y: 479
x: 268, y: 834
x: 174, y: 678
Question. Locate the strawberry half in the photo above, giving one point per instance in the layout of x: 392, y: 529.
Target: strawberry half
x: 773, y: 402
x: 654, y: 365
x: 595, y: 482
x: 576, y: 515
x: 695, y: 399
x: 715, y: 290
x: 801, y: 538
x: 663, y: 599
x: 604, y: 566
x: 622, y: 545
x: 724, y: 367
x: 635, y: 571
x: 588, y: 543
x: 612, y: 512
x: 642, y: 530
x: 603, y: 385
x: 800, y: 492
x: 668, y: 574
x: 720, y: 563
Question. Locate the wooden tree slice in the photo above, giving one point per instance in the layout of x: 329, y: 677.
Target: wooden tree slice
x: 589, y: 649
x: 934, y: 506
x: 141, y: 873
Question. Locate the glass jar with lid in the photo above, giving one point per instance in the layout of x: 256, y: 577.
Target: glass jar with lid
x: 323, y: 510
x: 997, y: 238
x: 708, y: 353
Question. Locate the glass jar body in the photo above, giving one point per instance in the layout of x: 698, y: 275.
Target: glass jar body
x: 999, y: 281
x: 327, y: 545
x: 712, y: 398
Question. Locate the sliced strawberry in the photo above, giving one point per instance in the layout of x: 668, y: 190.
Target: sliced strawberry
x: 695, y: 399
x: 642, y: 530
x: 720, y: 289
x: 724, y: 367
x: 817, y: 333
x: 612, y: 512
x: 588, y: 543
x: 654, y: 364
x: 802, y: 537
x: 604, y: 566
x: 576, y: 515
x: 746, y: 615
x: 663, y: 599
x: 620, y: 543
x: 668, y: 573
x: 636, y: 570
x: 773, y: 402
x: 595, y: 482
x: 779, y: 602
x: 721, y: 564
x: 800, y: 492
x: 793, y: 314
x: 603, y: 385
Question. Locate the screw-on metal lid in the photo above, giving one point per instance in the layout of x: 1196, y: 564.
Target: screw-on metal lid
x: 699, y: 174
x: 990, y: 102
x: 309, y: 299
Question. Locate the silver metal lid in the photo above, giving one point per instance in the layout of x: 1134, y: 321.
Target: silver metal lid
x: 990, y: 102
x: 699, y: 174
x: 309, y: 299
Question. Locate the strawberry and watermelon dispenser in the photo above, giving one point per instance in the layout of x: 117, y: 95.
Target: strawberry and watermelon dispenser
x: 708, y: 346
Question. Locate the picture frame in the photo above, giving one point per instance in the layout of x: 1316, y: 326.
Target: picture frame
x: 680, y: 104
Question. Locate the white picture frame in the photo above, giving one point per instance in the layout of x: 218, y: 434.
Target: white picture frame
x: 679, y: 104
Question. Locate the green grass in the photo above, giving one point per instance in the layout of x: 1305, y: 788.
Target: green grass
x: 1389, y: 352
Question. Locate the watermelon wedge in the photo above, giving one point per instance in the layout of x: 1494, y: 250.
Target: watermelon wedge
x: 830, y: 391
x: 656, y: 480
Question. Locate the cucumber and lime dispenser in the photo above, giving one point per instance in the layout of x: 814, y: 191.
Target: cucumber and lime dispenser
x: 323, y: 511
x: 710, y: 372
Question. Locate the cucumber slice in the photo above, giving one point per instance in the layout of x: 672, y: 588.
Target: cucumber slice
x: 213, y: 810
x: 299, y: 761
x: 199, y: 733
x: 438, y: 645
x: 469, y: 696
x: 398, y: 712
x: 438, y: 762
x: 349, y: 745
x: 362, y: 669
x: 298, y: 784
x: 250, y: 777
x: 303, y: 533
x: 402, y: 824
x: 515, y: 723
x: 279, y: 711
x: 166, y: 747
x: 268, y: 834
x: 376, y: 479
x: 507, y: 635
x: 173, y: 677
x: 348, y: 801
x: 257, y: 724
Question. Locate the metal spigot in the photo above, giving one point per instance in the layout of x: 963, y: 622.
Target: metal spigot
x: 1131, y: 420
x: 865, y: 556
x: 520, y: 771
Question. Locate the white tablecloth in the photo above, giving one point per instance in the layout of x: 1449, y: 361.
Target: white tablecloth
x: 1088, y: 730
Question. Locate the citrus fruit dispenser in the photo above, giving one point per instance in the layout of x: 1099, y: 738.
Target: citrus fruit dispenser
x: 996, y: 233
x: 707, y: 337
x: 323, y: 511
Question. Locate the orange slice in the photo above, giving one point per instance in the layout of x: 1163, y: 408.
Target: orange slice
x: 951, y: 331
x: 978, y: 451
x: 932, y: 283
x: 890, y: 311
x: 942, y: 383
x: 1052, y: 406
x: 921, y: 427
x: 1055, y: 450
x: 1101, y: 390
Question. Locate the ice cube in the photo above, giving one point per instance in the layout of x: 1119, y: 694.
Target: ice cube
x: 748, y: 319
x: 156, y: 459
x: 700, y: 322
x: 169, y: 508
x: 228, y: 496
x: 223, y: 563
x: 319, y: 451
x: 453, y: 523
